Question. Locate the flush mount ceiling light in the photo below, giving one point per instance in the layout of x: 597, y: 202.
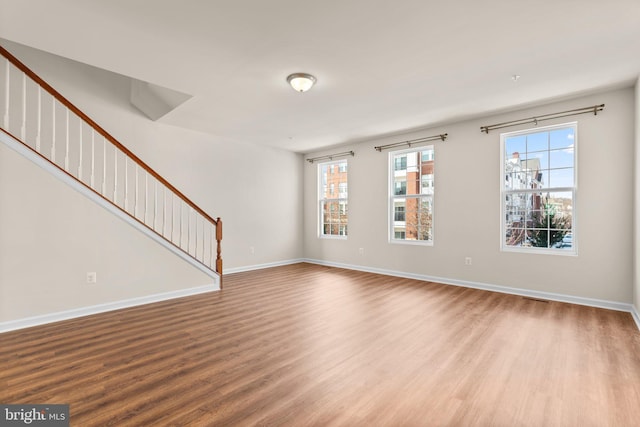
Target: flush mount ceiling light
x: 301, y: 82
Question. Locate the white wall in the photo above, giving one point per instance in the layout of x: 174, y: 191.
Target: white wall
x: 467, y: 208
x: 50, y: 236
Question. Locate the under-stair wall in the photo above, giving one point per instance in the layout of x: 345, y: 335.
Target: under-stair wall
x: 51, y: 236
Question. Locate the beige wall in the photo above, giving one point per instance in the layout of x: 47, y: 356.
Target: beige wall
x: 51, y: 236
x: 636, y: 253
x: 467, y: 208
x: 256, y: 190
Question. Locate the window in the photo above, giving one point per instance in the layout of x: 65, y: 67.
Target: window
x: 342, y: 189
x: 333, y: 208
x: 400, y: 187
x: 411, y: 195
x: 538, y: 189
x: 400, y: 163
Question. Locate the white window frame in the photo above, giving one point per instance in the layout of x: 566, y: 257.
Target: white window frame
x: 574, y: 190
x: 392, y: 197
x: 339, y: 166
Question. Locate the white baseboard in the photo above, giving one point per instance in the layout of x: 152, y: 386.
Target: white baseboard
x: 591, y: 302
x: 28, y: 322
x: 635, y: 315
x: 261, y: 266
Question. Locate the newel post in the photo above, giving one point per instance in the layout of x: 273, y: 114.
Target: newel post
x: 218, y: 257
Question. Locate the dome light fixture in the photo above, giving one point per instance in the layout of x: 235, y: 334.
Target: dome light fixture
x: 301, y: 82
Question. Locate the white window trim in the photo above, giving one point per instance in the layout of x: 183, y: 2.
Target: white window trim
x: 390, y: 199
x: 574, y: 189
x: 320, y: 200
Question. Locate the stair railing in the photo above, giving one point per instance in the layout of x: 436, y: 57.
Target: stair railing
x: 43, y: 120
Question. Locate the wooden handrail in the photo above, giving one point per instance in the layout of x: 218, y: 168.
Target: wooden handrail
x: 101, y: 131
x: 64, y: 101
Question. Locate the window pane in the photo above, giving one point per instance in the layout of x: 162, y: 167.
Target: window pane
x: 561, y: 178
x: 417, y: 215
x: 538, y: 219
x: 400, y: 162
x: 400, y: 188
x: 413, y: 183
x: 516, y: 144
x: 560, y: 207
x: 535, y: 161
x: 538, y: 142
x: 561, y: 158
x: 561, y: 138
x: 516, y: 237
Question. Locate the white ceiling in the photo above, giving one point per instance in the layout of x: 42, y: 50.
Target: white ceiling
x: 383, y: 67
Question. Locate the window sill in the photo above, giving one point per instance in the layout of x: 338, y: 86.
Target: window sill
x: 540, y: 251
x: 411, y: 242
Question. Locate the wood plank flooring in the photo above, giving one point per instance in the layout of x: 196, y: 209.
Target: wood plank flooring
x: 305, y: 345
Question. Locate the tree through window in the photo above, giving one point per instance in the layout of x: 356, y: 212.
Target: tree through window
x: 411, y: 195
x: 333, y: 204
x: 539, y: 189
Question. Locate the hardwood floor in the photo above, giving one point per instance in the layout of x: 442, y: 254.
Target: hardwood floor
x: 309, y: 345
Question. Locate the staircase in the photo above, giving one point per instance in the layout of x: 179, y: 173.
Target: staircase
x: 45, y: 127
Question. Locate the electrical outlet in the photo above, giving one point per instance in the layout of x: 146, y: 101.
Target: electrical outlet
x: 92, y: 277
x: 361, y: 251
x: 467, y: 260
x: 252, y: 250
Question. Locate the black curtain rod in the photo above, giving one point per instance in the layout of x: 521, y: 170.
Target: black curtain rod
x: 413, y: 141
x: 585, y: 110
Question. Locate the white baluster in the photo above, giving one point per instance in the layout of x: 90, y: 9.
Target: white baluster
x: 104, y: 166
x: 126, y: 183
x: 135, y: 203
x: 115, y: 175
x: 155, y: 203
x: 195, y: 249
x: 188, y: 229
x: 172, y: 215
x: 93, y: 158
x: 146, y: 196
x: 66, y: 147
x: 164, y: 209
x: 39, y: 119
x: 23, y: 125
x: 80, y: 150
x: 5, y: 120
x: 202, y: 241
x: 180, y: 231
x: 53, y: 130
